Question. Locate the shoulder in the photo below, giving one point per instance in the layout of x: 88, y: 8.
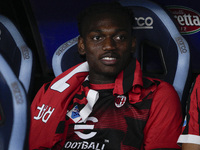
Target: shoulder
x: 164, y: 94
x: 60, y: 79
x: 198, y: 79
x: 165, y: 116
x: 165, y: 86
x: 196, y: 83
x: 161, y: 86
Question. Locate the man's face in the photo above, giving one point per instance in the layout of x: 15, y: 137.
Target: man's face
x: 108, y: 44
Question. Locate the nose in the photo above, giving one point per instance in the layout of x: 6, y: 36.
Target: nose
x: 109, y: 44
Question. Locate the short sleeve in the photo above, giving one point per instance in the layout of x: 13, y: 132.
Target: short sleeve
x: 165, y: 120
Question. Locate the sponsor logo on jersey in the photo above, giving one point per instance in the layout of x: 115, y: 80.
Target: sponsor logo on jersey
x: 143, y: 23
x: 44, y: 113
x: 187, y: 18
x: 78, y: 127
x: 86, y: 127
x: 120, y: 101
x: 84, y: 145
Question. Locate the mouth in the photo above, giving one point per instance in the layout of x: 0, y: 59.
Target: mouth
x: 109, y: 60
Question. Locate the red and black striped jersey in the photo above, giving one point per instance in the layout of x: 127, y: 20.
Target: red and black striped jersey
x: 116, y: 124
x: 191, y: 126
x: 136, y: 113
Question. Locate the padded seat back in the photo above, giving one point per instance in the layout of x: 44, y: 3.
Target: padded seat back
x: 14, y: 110
x: 17, y: 54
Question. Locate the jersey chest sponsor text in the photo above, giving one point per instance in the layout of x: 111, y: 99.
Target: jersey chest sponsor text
x: 85, y: 136
x: 84, y: 145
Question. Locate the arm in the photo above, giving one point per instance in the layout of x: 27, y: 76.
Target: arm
x: 165, y: 119
x: 191, y: 128
x: 187, y: 146
x: 33, y: 132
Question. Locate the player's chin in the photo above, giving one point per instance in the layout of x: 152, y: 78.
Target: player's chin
x: 111, y: 72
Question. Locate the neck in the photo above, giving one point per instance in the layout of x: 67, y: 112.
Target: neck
x: 101, y: 80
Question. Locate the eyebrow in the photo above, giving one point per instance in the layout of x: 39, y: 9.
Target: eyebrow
x: 100, y: 31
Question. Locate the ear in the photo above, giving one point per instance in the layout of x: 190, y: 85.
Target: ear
x: 81, y: 46
x: 133, y: 45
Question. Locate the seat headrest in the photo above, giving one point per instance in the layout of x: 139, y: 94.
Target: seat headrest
x: 15, y: 51
x: 66, y: 56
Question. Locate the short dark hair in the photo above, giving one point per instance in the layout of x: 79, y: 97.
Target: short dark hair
x: 97, y: 8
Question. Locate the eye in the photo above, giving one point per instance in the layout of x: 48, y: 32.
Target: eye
x: 120, y: 37
x: 96, y: 38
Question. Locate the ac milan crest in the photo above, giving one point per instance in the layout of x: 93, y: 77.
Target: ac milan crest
x: 120, y: 101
